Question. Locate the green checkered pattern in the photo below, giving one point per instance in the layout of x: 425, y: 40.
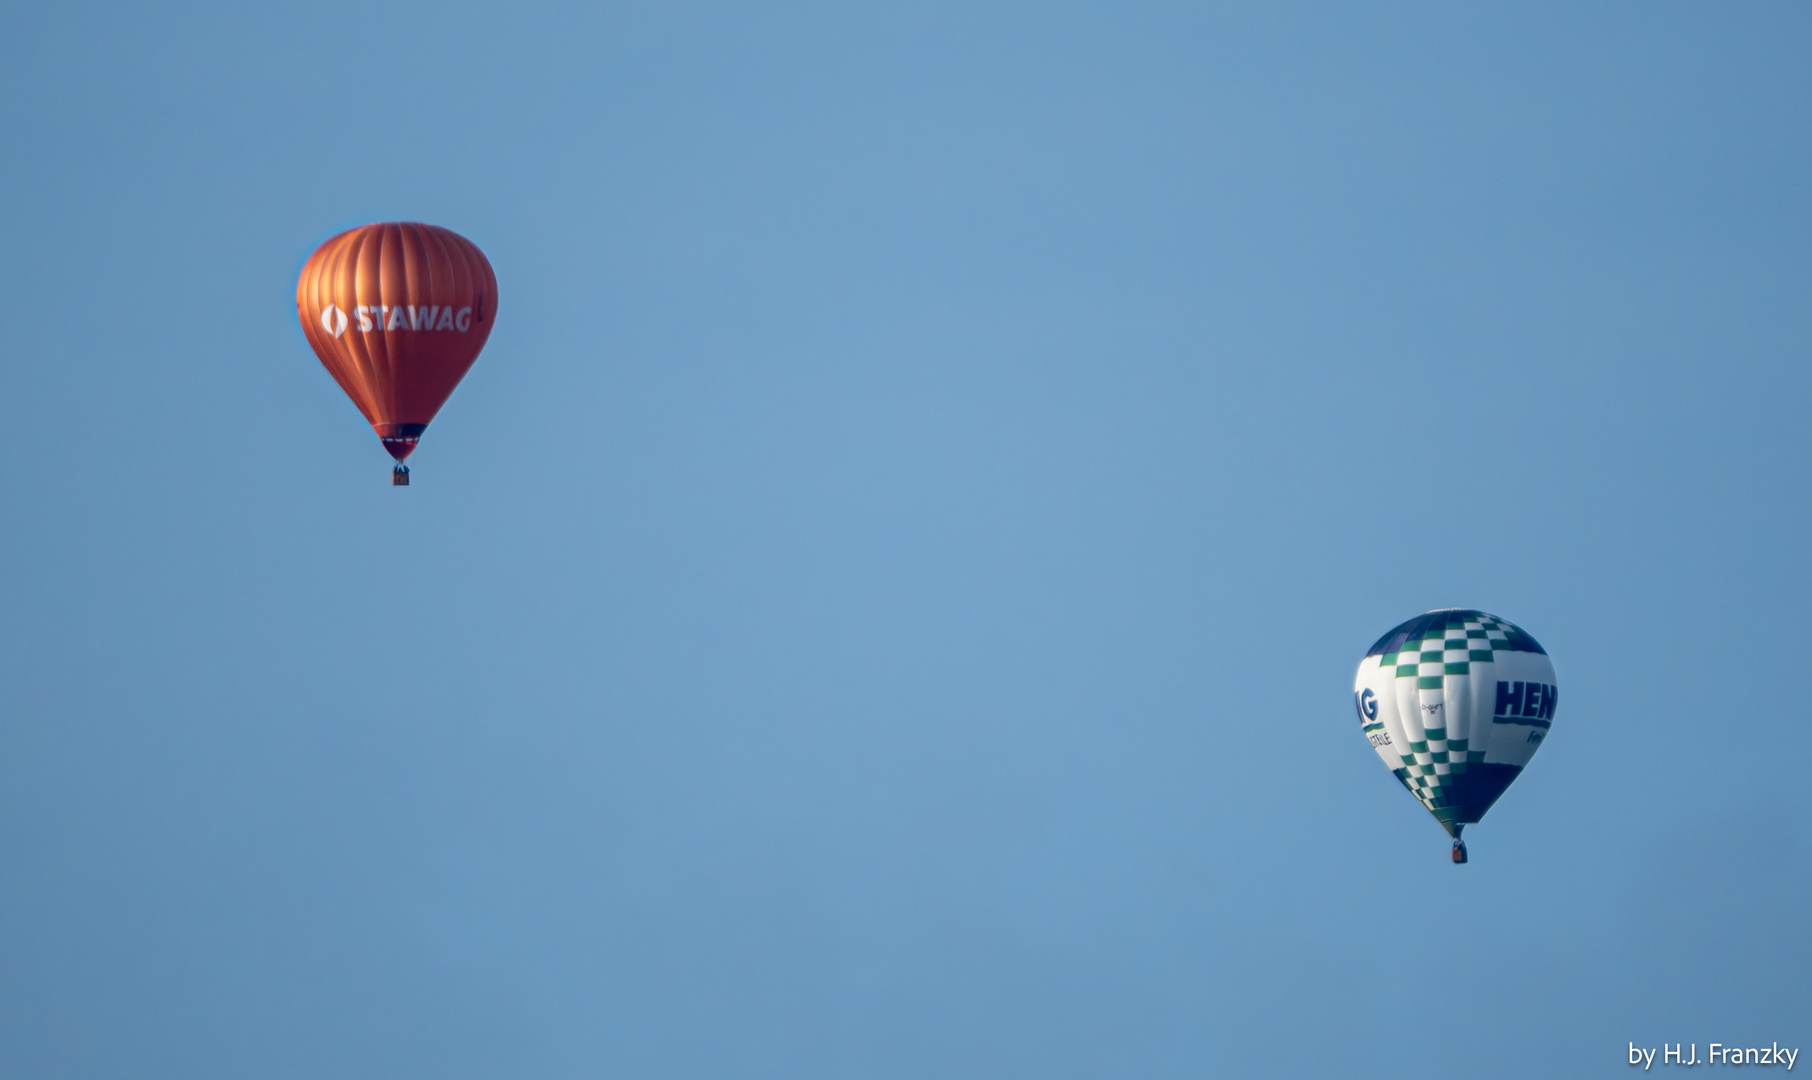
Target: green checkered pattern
x: 1442, y: 651
x: 1450, y: 650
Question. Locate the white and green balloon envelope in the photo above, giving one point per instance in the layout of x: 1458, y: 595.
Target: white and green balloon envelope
x: 1456, y: 702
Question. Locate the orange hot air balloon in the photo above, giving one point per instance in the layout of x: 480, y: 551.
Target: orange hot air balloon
x: 397, y: 312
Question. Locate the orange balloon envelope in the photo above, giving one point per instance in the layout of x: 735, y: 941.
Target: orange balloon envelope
x: 397, y: 312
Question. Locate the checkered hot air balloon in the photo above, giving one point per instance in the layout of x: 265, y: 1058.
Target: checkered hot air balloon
x: 1456, y: 702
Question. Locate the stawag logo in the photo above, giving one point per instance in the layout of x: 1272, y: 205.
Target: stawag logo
x: 400, y: 317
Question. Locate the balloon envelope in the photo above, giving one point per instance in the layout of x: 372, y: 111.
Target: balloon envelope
x: 1456, y: 702
x: 397, y: 312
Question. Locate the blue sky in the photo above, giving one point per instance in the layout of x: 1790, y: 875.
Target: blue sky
x: 885, y: 602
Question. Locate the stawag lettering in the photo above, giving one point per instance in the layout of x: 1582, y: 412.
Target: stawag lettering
x: 373, y: 318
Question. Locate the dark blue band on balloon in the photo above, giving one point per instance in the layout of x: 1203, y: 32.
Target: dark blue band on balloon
x: 1467, y: 795
x: 1437, y: 622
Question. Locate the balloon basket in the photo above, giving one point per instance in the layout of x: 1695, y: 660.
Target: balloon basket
x: 399, y: 477
x: 1459, y: 852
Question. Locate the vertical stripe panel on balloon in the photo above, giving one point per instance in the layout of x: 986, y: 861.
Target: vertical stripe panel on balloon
x: 313, y: 297
x: 1457, y: 697
x: 434, y: 269
x: 407, y: 283
x: 347, y: 283
x: 1409, y: 716
x: 1431, y: 706
x: 1459, y: 718
x: 1415, y: 698
x: 1382, y: 683
x: 370, y: 268
x: 334, y: 279
x: 308, y: 312
x: 1479, y: 673
x: 438, y: 288
x: 393, y: 283
x: 449, y: 256
x: 341, y: 356
x: 434, y: 289
x: 1409, y: 708
x: 363, y: 266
